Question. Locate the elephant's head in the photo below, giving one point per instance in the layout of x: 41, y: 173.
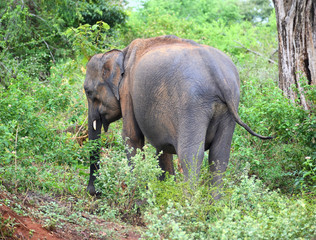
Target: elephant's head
x: 104, y: 73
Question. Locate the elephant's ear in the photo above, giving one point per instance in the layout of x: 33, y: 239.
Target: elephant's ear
x: 113, y: 70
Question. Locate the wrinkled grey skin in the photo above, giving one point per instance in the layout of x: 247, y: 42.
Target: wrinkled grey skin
x: 182, y: 96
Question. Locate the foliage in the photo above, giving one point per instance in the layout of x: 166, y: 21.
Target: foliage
x: 153, y: 21
x: 247, y: 211
x: 255, y: 10
x: 44, y: 50
x: 202, y: 11
x: 86, y: 38
x: 106, y: 11
x: 6, y: 227
x: 30, y: 40
x: 123, y: 184
x: 264, y: 107
x: 71, y: 13
x: 30, y: 134
x: 33, y: 36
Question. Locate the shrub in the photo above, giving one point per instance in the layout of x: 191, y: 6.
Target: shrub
x: 31, y: 39
x: 123, y: 184
x: 247, y: 211
x: 29, y: 136
x: 88, y: 40
x: 279, y: 162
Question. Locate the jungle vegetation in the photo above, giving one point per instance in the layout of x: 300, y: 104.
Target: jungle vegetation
x: 269, y: 190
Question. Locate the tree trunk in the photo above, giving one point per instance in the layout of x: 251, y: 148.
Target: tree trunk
x: 296, y: 22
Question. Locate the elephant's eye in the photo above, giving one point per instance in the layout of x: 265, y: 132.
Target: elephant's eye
x: 88, y: 92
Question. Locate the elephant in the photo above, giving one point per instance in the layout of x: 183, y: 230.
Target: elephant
x: 181, y: 96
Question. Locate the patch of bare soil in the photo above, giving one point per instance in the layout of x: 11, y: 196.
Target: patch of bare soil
x: 16, y: 226
x: 24, y: 227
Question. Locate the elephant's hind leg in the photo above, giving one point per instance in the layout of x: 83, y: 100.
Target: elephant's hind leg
x: 191, y: 146
x: 166, y: 164
x: 219, y: 152
x: 191, y: 161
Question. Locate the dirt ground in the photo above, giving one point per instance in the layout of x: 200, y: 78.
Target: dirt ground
x: 16, y: 226
x: 25, y: 227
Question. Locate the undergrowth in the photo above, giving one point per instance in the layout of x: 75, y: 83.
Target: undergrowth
x: 269, y: 186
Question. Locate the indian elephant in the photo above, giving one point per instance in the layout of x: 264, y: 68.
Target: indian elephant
x: 182, y: 96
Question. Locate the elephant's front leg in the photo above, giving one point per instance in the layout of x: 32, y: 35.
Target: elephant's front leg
x: 166, y: 164
x: 134, y: 139
x: 131, y: 134
x: 94, y: 128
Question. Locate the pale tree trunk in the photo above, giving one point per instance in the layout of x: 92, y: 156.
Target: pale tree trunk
x: 296, y: 22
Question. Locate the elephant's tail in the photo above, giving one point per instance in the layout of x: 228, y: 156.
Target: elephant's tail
x: 233, y: 110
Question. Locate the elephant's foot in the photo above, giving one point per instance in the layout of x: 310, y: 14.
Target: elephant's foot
x: 91, y: 190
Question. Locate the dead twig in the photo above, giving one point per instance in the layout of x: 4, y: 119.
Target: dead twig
x: 80, y: 137
x: 274, y: 52
x: 15, y: 153
x: 254, y: 52
x: 81, y: 127
x: 49, y: 51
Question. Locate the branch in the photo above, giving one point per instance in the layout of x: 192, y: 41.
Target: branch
x: 4, y: 66
x: 49, y: 51
x: 2, y: 80
x: 81, y: 126
x: 16, y: 153
x: 254, y: 52
x: 34, y: 15
x: 274, y: 52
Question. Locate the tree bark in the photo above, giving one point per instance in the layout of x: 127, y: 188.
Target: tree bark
x: 296, y: 22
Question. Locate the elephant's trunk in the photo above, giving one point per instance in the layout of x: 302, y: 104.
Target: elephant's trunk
x: 95, y: 122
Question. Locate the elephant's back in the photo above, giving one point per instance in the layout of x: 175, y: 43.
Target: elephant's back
x: 179, y: 75
x: 168, y: 86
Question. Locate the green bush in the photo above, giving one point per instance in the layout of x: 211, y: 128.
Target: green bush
x: 201, y: 11
x: 160, y: 18
x: 247, y: 211
x: 88, y: 40
x: 71, y: 13
x: 30, y: 39
x: 123, y: 185
x: 104, y: 11
x: 280, y: 163
x: 33, y: 32
x: 29, y: 134
x: 7, y: 227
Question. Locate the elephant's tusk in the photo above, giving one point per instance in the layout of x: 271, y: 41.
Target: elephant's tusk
x: 95, y: 125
